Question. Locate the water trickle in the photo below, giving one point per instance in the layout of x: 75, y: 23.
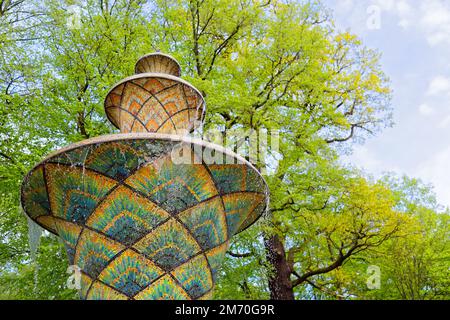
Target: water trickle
x: 202, y: 122
x: 266, y: 213
x: 84, y: 162
x: 35, y: 277
x: 197, y: 123
x: 34, y: 237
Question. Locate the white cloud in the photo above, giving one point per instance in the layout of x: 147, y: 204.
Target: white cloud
x: 436, y: 13
x: 425, y: 109
x: 403, y: 8
x: 435, y: 21
x: 400, y: 8
x: 365, y: 158
x: 346, y: 4
x: 436, y: 170
x: 415, y: 40
x: 444, y: 123
x: 405, y: 12
x: 431, y: 17
x: 386, y: 5
x: 439, y: 85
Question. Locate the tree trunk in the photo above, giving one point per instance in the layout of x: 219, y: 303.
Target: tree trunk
x: 280, y: 284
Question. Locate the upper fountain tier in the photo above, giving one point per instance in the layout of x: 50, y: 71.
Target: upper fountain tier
x: 155, y: 99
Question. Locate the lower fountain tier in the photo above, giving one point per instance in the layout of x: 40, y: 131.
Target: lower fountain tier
x: 145, y: 216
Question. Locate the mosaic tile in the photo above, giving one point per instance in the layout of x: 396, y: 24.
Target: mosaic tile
x: 130, y: 273
x: 163, y: 289
x: 100, y: 291
x: 169, y: 245
x: 194, y: 276
x: 174, y: 187
x: 35, y: 194
x: 126, y: 216
x: 207, y: 223
x: 74, y: 192
x: 94, y: 252
x: 215, y: 258
x: 238, y: 206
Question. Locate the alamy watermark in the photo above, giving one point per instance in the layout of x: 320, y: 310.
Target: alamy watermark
x: 373, y: 281
x: 74, y: 279
x: 73, y: 21
x: 260, y: 147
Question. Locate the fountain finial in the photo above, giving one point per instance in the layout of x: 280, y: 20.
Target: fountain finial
x: 155, y: 99
x: 158, y: 62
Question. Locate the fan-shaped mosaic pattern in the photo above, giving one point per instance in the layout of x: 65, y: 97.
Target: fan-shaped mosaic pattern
x: 69, y: 233
x: 130, y: 273
x: 35, y: 194
x: 174, y: 187
x: 126, y: 216
x: 159, y: 63
x: 215, y: 258
x: 194, y: 276
x: 169, y: 245
x: 165, y: 288
x: 72, y: 197
x: 100, y: 291
x: 147, y: 229
x: 155, y: 103
x: 207, y: 222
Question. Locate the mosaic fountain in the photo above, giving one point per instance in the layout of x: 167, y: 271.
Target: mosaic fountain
x: 137, y: 223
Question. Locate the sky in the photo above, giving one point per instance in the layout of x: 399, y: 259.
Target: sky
x: 414, y: 39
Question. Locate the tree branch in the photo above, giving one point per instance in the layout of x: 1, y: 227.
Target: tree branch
x: 337, y: 263
x: 240, y: 255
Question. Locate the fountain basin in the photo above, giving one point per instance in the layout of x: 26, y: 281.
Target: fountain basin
x: 155, y: 102
x: 139, y: 220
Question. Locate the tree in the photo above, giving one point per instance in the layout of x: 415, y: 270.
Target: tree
x: 415, y: 266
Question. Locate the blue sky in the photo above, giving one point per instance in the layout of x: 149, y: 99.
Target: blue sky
x: 414, y: 38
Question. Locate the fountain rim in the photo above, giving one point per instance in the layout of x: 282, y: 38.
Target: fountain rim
x: 148, y: 75
x: 144, y: 136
